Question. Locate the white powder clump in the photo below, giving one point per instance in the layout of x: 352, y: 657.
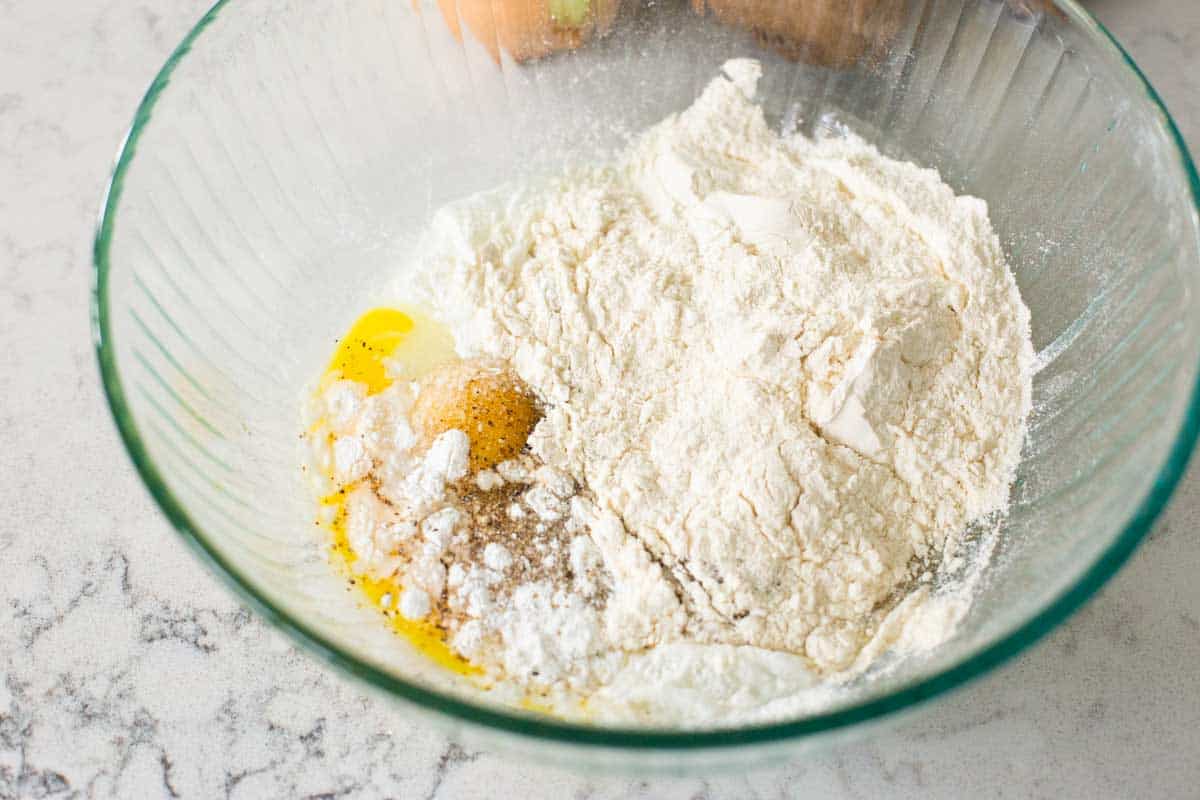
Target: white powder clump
x: 788, y: 372
x: 415, y: 604
x: 483, y: 557
x: 497, y: 557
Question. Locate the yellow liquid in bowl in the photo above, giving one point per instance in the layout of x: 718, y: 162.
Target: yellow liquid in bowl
x: 383, y: 345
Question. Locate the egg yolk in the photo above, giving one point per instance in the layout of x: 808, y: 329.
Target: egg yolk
x: 482, y: 399
x: 386, y: 343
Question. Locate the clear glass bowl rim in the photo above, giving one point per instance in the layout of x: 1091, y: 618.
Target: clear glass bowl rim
x: 1033, y: 629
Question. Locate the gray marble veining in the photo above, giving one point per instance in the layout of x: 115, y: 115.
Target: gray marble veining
x: 126, y: 670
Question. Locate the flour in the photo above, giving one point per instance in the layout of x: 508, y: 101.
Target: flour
x: 791, y: 372
x: 779, y: 377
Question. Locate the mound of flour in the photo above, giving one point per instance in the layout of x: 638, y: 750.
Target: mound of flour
x: 786, y: 373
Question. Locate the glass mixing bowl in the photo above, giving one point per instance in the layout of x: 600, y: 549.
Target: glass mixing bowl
x: 288, y: 154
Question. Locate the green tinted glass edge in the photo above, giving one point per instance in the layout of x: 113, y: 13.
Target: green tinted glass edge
x: 642, y: 739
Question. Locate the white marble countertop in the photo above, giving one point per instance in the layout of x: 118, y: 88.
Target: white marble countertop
x: 127, y: 671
